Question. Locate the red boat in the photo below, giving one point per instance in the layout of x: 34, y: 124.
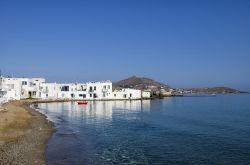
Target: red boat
x: 82, y: 102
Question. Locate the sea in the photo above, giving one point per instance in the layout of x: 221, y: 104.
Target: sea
x: 188, y: 130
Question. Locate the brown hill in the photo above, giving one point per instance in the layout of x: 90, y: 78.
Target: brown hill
x: 141, y: 83
x: 144, y: 83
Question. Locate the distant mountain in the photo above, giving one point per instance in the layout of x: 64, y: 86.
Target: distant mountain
x: 217, y: 90
x: 144, y: 83
x: 141, y: 83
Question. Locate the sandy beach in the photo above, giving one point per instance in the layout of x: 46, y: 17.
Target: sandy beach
x: 24, y: 133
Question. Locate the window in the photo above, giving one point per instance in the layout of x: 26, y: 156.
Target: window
x: 94, y: 87
x: 47, y: 95
x: 65, y: 88
x: 90, y: 88
x: 108, y: 86
x: 124, y: 96
x: 90, y: 95
x: 115, y: 95
x: 82, y: 95
x: 130, y: 95
x: 104, y: 86
x: 24, y: 82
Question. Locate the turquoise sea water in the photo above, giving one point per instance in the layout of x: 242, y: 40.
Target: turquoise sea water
x: 178, y: 130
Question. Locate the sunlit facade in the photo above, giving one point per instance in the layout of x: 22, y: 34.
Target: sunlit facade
x: 23, y: 88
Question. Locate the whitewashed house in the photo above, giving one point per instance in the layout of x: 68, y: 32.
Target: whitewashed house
x: 126, y: 94
x: 3, y: 92
x: 88, y: 91
x: 20, y: 88
x: 166, y: 92
x: 23, y: 88
x: 145, y: 94
x: 99, y: 90
x: 11, y: 88
x: 65, y: 91
x: 49, y: 91
x: 30, y: 87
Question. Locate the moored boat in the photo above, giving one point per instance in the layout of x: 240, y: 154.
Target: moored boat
x: 82, y: 102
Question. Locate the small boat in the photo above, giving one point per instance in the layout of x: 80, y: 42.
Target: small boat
x: 82, y: 102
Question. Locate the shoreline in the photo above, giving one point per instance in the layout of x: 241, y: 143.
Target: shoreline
x: 37, y: 101
x: 27, y: 147
x: 30, y: 145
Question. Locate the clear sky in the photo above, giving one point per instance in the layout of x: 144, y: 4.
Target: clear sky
x: 182, y: 43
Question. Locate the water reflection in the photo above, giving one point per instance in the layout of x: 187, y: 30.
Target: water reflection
x: 186, y: 130
x: 95, y: 109
x: 78, y: 125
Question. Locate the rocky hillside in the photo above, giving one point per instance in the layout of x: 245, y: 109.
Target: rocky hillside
x: 141, y: 83
x: 144, y: 83
x: 212, y: 90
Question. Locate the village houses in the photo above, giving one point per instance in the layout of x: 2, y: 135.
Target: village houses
x: 23, y: 88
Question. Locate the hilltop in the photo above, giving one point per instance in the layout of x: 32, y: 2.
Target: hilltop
x: 144, y: 83
x: 141, y: 83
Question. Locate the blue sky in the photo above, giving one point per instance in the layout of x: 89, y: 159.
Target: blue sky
x: 182, y: 43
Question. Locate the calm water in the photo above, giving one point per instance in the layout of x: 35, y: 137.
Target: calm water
x: 181, y: 130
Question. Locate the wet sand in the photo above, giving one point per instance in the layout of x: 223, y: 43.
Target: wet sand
x: 24, y: 134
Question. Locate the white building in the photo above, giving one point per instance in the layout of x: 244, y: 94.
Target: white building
x: 146, y: 94
x: 49, y: 91
x: 11, y: 88
x: 85, y: 91
x: 22, y: 88
x: 166, y: 92
x: 100, y: 90
x: 2, y: 92
x: 30, y: 87
x: 127, y: 93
